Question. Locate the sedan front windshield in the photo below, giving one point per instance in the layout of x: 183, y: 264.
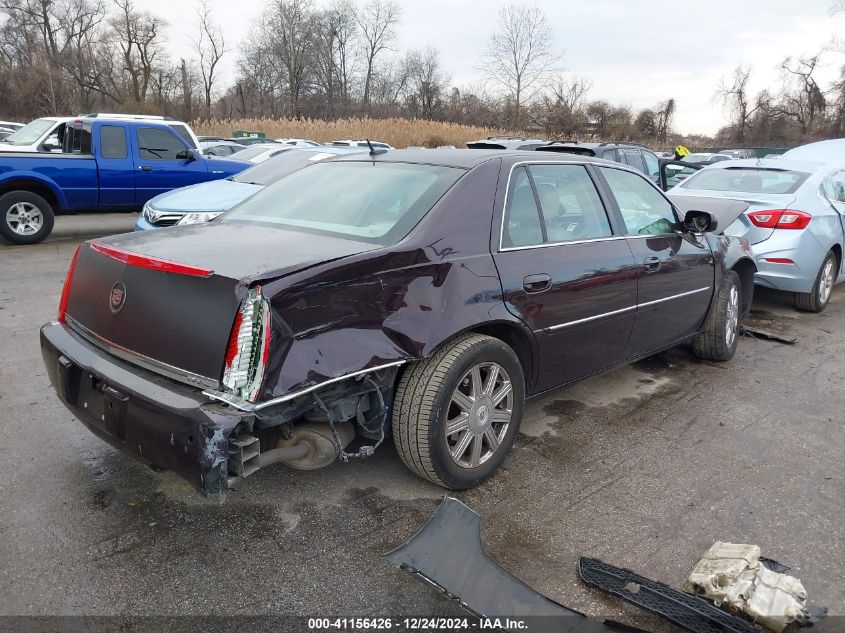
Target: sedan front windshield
x: 30, y: 132
x: 375, y: 202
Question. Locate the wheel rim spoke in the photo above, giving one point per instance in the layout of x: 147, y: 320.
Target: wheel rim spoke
x: 492, y: 439
x: 502, y: 393
x: 492, y: 377
x: 475, y: 451
x: 457, y: 424
x: 477, y: 387
x: 461, y: 446
x: 463, y: 401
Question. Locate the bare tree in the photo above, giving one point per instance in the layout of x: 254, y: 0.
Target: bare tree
x: 139, y: 36
x: 520, y: 53
x: 807, y: 101
x: 210, y: 47
x: 733, y: 94
x: 377, y: 21
x: 427, y: 82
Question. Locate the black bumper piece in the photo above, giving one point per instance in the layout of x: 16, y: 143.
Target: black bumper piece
x: 688, y: 612
x: 157, y: 420
x: 447, y: 553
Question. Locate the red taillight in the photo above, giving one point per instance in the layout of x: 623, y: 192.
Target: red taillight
x: 151, y: 263
x: 248, y: 350
x: 780, y: 219
x: 66, y: 287
x: 232, y: 347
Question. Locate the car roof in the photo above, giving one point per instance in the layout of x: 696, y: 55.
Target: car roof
x: 469, y: 158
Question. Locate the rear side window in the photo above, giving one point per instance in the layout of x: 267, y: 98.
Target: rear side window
x: 609, y: 154
x: 833, y: 187
x: 159, y: 144
x: 112, y: 142
x: 652, y: 165
x: 645, y: 210
x: 522, y: 219
x: 570, y: 205
x: 746, y: 180
x: 633, y: 158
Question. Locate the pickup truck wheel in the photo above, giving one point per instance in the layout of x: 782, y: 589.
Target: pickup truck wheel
x: 818, y: 297
x: 457, y: 413
x: 721, y: 331
x: 25, y: 217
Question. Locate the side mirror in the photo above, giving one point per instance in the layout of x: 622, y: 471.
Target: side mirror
x: 49, y: 146
x: 194, y: 154
x: 700, y: 222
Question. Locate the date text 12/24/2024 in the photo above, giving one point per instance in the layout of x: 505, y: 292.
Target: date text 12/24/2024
x: 415, y: 624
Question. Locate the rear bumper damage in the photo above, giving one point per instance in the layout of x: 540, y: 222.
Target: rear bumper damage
x: 163, y: 423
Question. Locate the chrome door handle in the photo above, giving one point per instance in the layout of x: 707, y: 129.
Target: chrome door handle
x: 651, y: 264
x: 537, y: 283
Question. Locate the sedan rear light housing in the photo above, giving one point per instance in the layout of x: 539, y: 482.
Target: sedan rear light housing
x: 66, y: 288
x: 780, y: 219
x: 248, y: 350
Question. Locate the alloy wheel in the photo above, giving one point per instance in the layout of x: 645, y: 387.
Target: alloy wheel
x: 24, y: 218
x: 826, y: 281
x: 732, y: 321
x: 479, y: 414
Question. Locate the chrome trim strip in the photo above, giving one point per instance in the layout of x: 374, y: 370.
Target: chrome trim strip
x: 678, y: 296
x: 610, y: 238
x: 158, y: 367
x: 620, y: 311
x: 592, y: 318
x: 250, y: 407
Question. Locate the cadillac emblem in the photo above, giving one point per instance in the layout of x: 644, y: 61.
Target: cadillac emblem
x: 117, y: 298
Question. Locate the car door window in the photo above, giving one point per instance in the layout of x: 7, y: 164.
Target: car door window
x: 644, y: 209
x: 571, y: 206
x: 609, y: 154
x: 158, y: 144
x: 522, y: 218
x: 652, y: 165
x: 112, y: 142
x: 633, y: 158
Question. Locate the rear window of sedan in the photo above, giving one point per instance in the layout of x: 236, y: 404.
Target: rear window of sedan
x: 746, y: 180
x: 367, y: 201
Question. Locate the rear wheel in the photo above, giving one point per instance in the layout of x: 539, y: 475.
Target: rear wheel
x: 819, y: 296
x: 719, y: 338
x: 456, y: 414
x: 25, y: 217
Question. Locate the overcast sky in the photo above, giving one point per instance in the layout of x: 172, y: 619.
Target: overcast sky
x: 636, y: 52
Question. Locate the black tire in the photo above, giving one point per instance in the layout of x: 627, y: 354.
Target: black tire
x: 717, y: 342
x: 817, y: 299
x: 424, y: 401
x: 8, y: 231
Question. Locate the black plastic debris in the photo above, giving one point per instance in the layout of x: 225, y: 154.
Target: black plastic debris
x: 447, y: 553
x: 688, y: 612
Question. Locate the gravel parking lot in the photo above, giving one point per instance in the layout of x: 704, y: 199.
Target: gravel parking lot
x: 644, y: 467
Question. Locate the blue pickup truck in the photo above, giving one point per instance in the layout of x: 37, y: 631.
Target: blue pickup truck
x: 105, y: 165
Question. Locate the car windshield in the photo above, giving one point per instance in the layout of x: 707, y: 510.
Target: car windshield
x: 368, y: 201
x: 746, y: 180
x: 286, y: 163
x: 696, y: 158
x: 30, y: 132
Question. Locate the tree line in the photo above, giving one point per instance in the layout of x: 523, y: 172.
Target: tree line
x: 343, y: 59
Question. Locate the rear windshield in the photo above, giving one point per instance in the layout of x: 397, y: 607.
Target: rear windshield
x: 366, y: 201
x: 255, y: 150
x: 283, y: 164
x: 746, y: 180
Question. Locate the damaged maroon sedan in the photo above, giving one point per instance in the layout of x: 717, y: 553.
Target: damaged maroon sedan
x: 419, y: 293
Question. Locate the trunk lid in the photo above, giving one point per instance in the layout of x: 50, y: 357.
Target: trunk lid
x: 742, y: 226
x: 179, y: 324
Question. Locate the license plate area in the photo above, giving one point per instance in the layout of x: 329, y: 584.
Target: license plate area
x: 104, y: 405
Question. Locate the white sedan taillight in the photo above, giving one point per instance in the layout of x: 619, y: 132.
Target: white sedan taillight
x: 249, y: 347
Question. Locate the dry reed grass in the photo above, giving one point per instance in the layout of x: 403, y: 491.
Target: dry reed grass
x: 396, y: 131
